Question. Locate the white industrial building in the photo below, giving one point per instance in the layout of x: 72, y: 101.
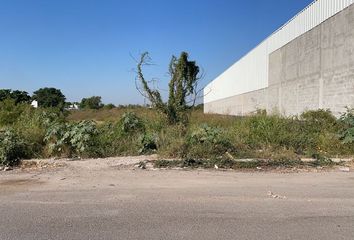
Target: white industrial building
x: 306, y: 64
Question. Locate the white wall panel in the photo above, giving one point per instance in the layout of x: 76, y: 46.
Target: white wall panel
x: 250, y: 73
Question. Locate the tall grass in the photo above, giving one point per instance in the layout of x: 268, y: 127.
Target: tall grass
x: 138, y: 130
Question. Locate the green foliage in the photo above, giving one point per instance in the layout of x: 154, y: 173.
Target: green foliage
x: 313, y: 131
x: 182, y: 88
x: 130, y: 122
x: 20, y: 96
x: 112, y: 141
x: 319, y: 119
x: 210, y: 139
x: 94, y: 102
x: 172, y: 141
x: 10, y: 111
x: 5, y: 94
x: 109, y: 106
x: 49, y: 98
x: 347, y: 134
x: 206, y: 134
x: 148, y: 143
x: 71, y: 138
x: 12, y: 148
x: 225, y: 163
x: 207, y: 141
x: 17, y: 96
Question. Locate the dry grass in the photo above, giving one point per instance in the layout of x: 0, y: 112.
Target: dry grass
x: 105, y: 115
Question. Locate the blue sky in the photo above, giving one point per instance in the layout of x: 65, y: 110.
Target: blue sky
x: 84, y: 47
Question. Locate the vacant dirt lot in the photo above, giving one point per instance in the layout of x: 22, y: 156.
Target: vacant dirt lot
x: 112, y: 199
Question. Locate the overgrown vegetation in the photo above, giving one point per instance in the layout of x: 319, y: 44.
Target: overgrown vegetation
x: 182, y: 88
x: 207, y: 140
x: 12, y: 148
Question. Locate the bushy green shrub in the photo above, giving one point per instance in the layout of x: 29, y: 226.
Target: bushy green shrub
x: 347, y: 134
x: 206, y: 134
x: 72, y: 138
x: 172, y: 141
x: 130, y: 122
x: 125, y: 137
x: 113, y: 141
x: 206, y: 141
x: 148, y: 143
x: 12, y: 148
x: 319, y: 120
x: 313, y: 131
x: 10, y: 111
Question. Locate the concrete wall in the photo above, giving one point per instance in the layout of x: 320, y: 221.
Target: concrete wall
x: 316, y: 70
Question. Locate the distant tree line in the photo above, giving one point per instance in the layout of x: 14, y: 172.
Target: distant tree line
x: 17, y: 96
x: 54, y: 98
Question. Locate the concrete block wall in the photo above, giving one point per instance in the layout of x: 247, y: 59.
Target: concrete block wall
x: 316, y: 70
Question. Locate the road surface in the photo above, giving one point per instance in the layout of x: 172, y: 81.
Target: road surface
x: 101, y: 201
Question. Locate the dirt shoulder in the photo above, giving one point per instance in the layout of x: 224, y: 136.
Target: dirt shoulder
x: 88, y: 173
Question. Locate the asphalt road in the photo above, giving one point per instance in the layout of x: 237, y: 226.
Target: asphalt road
x: 126, y: 204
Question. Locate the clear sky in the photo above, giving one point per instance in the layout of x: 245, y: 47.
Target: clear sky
x: 84, y: 47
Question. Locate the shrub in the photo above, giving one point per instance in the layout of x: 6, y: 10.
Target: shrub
x: 113, y: 141
x: 72, y: 138
x: 94, y: 102
x: 263, y: 130
x: 347, y: 134
x: 313, y: 131
x: 109, y: 106
x: 205, y: 141
x: 12, y: 148
x: 10, y: 111
x: 148, y: 143
x: 130, y: 122
x: 172, y: 141
x: 207, y: 134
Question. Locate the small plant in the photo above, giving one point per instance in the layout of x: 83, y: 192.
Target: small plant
x: 347, y: 135
x: 12, y: 149
x: 10, y: 112
x: 148, y: 143
x: 321, y: 160
x: 206, y: 134
x: 207, y: 142
x: 130, y: 122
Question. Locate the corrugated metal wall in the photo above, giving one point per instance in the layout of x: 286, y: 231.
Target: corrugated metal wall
x: 251, y: 72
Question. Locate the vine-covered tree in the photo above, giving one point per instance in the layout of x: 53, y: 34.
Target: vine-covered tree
x: 183, y: 92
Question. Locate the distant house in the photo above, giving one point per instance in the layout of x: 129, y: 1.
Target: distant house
x: 34, y: 104
x: 73, y: 107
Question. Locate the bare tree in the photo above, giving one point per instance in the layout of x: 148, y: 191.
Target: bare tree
x: 183, y: 87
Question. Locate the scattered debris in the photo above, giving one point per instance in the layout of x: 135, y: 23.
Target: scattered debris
x: 272, y: 195
x: 7, y: 169
x: 41, y: 164
x: 344, y: 169
x: 216, y: 166
x: 142, y: 165
x: 74, y: 159
x: 259, y: 168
